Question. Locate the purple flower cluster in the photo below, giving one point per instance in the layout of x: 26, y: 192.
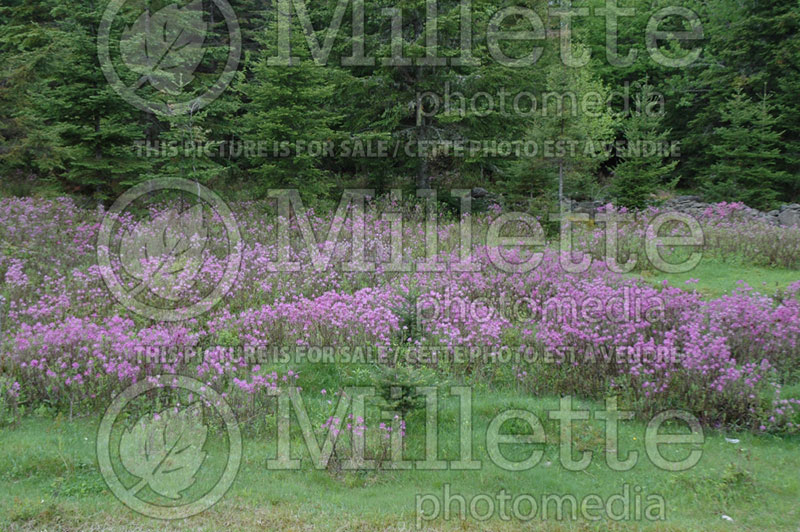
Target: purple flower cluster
x: 66, y: 340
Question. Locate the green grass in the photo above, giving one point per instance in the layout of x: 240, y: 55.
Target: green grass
x: 49, y: 480
x: 716, y: 277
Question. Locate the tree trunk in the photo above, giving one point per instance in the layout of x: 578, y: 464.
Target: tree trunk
x: 561, y: 187
x: 423, y: 182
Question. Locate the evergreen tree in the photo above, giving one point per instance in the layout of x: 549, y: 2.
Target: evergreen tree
x: 642, y: 169
x: 289, y: 116
x: 747, y: 152
x: 421, y: 90
x: 96, y: 131
x: 751, y: 44
x: 572, y: 130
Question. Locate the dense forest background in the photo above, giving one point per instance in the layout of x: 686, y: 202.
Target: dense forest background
x: 733, y: 111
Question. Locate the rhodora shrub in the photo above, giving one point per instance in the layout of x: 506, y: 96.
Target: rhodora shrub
x: 68, y: 344
x: 390, y: 441
x: 77, y: 361
x: 364, y: 317
x: 718, y: 358
x: 342, y: 435
x: 758, y: 327
x: 728, y: 231
x: 379, y: 442
x: 247, y: 387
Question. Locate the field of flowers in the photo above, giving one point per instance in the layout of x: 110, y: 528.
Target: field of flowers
x: 68, y: 346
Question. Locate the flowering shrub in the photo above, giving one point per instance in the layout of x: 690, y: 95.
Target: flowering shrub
x: 728, y: 233
x: 68, y: 344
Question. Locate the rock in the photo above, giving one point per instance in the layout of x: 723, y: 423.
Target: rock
x: 479, y: 192
x: 789, y: 217
x: 588, y: 207
x: 687, y: 199
x: 686, y: 204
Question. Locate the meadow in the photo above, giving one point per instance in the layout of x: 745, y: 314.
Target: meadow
x: 719, y: 342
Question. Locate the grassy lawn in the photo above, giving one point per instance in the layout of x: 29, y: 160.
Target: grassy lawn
x: 50, y: 481
x: 716, y: 277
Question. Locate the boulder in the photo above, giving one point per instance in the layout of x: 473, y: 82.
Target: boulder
x: 479, y: 192
x: 789, y: 215
x: 588, y: 207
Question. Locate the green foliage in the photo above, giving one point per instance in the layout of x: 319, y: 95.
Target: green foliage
x: 642, y: 169
x: 397, y: 386
x: 64, y: 129
x: 62, y: 120
x: 571, y: 131
x: 753, y: 47
x: 286, y: 109
x: 747, y: 151
x: 9, y: 400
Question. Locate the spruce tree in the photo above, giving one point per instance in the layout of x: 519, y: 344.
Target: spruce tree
x: 750, y: 44
x: 289, y: 112
x: 571, y: 130
x: 747, y: 151
x: 643, y: 168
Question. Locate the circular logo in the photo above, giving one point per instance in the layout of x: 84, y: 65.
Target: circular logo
x: 163, y: 49
x: 167, y: 266
x: 162, y: 455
